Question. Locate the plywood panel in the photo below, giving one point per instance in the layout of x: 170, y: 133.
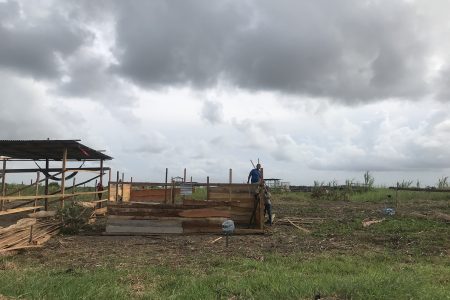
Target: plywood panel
x: 125, y: 194
x: 152, y: 195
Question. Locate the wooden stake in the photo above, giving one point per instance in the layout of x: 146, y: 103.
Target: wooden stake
x: 184, y: 177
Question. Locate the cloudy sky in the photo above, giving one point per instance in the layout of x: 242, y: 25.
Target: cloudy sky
x: 317, y: 90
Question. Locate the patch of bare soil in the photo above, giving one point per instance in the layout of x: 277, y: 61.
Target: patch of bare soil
x: 94, y: 251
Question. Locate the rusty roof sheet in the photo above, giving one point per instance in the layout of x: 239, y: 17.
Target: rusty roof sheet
x: 49, y: 149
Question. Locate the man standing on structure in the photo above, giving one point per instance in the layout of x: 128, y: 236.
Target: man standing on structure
x: 255, y: 175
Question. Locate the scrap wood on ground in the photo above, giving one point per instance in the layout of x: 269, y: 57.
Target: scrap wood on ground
x: 297, y: 221
x: 27, y: 233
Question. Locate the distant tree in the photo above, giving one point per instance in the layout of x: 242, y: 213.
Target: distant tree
x: 368, y: 180
x: 442, y: 182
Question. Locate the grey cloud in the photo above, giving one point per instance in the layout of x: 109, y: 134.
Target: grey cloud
x: 349, y: 50
x: 443, y: 85
x: 151, y: 143
x: 34, y: 46
x: 22, y: 115
x: 212, y: 112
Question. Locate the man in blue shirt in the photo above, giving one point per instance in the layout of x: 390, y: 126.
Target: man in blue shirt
x: 255, y: 174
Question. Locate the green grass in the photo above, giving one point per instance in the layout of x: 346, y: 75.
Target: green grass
x: 381, y: 195
x: 368, y: 276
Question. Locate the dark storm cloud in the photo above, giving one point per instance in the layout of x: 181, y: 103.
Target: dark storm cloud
x: 34, y: 46
x: 350, y: 50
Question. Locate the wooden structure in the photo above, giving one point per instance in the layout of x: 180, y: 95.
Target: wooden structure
x: 44, y: 152
x: 160, y: 208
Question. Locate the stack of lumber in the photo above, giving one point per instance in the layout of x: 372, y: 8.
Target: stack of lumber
x: 27, y: 233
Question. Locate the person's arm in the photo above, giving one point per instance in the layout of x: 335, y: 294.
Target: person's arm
x: 249, y: 175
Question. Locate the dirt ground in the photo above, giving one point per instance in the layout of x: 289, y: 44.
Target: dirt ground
x: 339, y: 229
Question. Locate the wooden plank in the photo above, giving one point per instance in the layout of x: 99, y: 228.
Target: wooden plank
x: 234, y: 196
x: 18, y: 210
x: 133, y: 229
x: 235, y: 190
x: 145, y: 223
x: 205, y: 213
x: 43, y: 214
x: 20, y: 224
x: 217, y: 203
x: 101, y: 211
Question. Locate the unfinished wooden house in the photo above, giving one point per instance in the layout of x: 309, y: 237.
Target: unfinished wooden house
x: 139, y: 208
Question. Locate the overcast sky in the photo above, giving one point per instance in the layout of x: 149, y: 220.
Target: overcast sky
x: 317, y: 90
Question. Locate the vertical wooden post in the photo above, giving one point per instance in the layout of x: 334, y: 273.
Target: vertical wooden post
x: 184, y: 177
x: 46, y: 184
x: 121, y: 191
x: 207, y: 188
x: 117, y: 187
x: 261, y: 201
x: 165, y: 186
x: 30, y: 239
x: 101, y: 172
x: 63, y: 179
x: 230, y: 179
x: 95, y: 189
x: 74, y: 197
x: 3, y: 183
x: 36, y: 189
x: 173, y: 191
x: 109, y: 185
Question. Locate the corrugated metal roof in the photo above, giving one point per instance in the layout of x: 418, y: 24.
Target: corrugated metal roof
x: 49, y: 149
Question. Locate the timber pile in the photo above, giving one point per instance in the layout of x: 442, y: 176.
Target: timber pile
x: 27, y: 233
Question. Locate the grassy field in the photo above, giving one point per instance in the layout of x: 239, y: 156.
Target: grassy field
x: 406, y: 256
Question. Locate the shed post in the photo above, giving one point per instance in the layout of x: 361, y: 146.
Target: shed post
x: 63, y: 179
x: 36, y: 189
x: 3, y: 182
x: 46, y: 184
x: 109, y: 184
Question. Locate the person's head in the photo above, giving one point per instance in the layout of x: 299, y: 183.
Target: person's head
x: 258, y: 166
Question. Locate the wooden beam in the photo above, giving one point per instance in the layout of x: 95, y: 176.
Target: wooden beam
x: 18, y: 210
